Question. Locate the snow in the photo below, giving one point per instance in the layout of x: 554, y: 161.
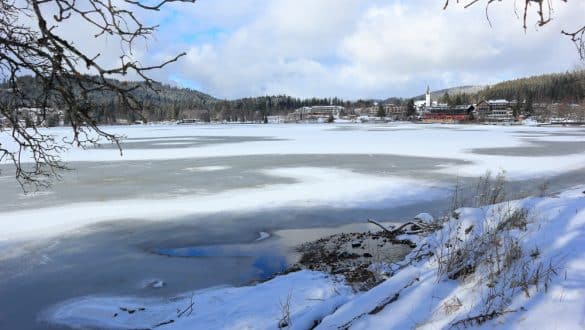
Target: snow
x: 309, y: 295
x: 206, y: 168
x: 424, y: 217
x: 440, y: 141
x: 262, y: 236
x: 318, y: 186
x: 153, y: 283
x: 529, y: 122
x: 417, y: 296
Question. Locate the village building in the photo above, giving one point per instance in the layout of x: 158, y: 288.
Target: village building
x: 317, y: 113
x: 395, y: 111
x: 496, y: 110
x: 275, y: 119
x: 428, y: 97
x: 434, y: 112
x: 367, y: 111
x: 27, y: 116
x: 419, y: 105
x: 443, y: 113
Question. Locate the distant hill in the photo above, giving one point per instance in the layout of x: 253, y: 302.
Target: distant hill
x: 468, y: 89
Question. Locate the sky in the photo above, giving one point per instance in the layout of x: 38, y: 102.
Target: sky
x: 346, y: 48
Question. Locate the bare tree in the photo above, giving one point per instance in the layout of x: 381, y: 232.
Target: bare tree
x: 64, y: 76
x: 543, y: 11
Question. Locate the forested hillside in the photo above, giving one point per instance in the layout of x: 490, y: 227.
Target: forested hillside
x: 566, y: 87
x: 161, y: 102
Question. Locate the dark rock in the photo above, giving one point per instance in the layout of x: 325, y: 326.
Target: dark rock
x: 367, y: 255
x: 346, y: 255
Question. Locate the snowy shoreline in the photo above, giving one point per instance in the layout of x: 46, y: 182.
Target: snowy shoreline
x: 544, y: 279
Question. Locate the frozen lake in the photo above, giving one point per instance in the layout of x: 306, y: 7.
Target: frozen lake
x: 186, y: 204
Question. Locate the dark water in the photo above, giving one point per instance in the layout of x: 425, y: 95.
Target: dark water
x: 187, y: 254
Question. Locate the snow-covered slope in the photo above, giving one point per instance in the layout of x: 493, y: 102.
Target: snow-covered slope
x: 523, y: 278
x: 513, y: 265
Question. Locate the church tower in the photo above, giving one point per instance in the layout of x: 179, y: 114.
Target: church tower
x: 428, y: 98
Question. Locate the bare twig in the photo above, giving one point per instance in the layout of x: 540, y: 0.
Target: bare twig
x: 187, y: 309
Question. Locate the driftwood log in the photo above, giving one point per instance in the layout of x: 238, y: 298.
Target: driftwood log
x: 424, y: 227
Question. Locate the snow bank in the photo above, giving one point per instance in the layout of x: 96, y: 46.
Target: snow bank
x: 304, y: 296
x: 530, y: 277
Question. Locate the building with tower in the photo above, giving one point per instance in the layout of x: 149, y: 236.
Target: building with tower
x: 428, y: 97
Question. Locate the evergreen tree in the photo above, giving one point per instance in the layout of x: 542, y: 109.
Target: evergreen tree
x: 516, y: 108
x: 410, y: 109
x: 381, y: 112
x: 446, y: 98
x: 528, y: 108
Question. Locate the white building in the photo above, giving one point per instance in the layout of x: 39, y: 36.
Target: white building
x: 428, y: 97
x: 275, y: 119
x: 315, y: 113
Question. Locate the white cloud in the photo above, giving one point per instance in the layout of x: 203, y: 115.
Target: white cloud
x: 348, y: 48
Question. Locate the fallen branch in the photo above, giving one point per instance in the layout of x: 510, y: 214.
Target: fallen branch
x: 379, y: 225
x: 379, y: 307
x: 163, y: 323
x: 423, y: 227
x: 385, y: 303
x: 479, y: 319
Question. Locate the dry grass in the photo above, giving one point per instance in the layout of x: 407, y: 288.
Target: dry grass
x: 490, y: 252
x: 285, y: 320
x: 452, y: 305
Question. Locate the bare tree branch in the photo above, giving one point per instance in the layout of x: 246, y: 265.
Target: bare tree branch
x: 56, y: 64
x: 544, y: 13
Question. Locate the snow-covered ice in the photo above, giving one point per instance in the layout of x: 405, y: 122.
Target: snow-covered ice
x: 440, y: 141
x: 206, y: 168
x: 312, y: 186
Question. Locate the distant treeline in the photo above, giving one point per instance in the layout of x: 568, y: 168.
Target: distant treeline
x: 165, y: 102
x: 258, y: 108
x: 174, y: 103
